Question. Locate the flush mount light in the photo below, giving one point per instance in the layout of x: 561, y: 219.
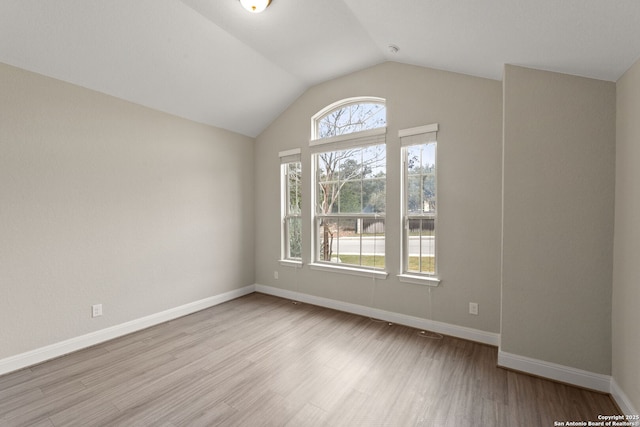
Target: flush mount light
x: 255, y: 6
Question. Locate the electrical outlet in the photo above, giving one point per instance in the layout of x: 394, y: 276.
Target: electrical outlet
x: 96, y: 310
x: 275, y: 274
x: 473, y: 308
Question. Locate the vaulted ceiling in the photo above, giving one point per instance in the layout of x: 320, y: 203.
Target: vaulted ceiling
x: 213, y: 62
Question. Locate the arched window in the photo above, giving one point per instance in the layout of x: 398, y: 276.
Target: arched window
x: 348, y: 116
x: 350, y: 175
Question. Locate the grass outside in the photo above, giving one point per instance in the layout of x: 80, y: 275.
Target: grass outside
x: 367, y: 260
x: 428, y: 262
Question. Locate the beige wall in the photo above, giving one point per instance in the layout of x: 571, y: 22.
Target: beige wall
x: 559, y: 158
x: 468, y: 110
x: 626, y: 271
x: 103, y: 201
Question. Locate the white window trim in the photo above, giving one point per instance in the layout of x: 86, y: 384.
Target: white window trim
x: 352, y: 270
x: 291, y: 263
x: 402, y: 133
x: 406, y: 276
x: 360, y: 138
x: 287, y: 153
x: 419, y: 279
x: 374, y: 136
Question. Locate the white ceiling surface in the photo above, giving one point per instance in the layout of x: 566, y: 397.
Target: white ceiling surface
x: 212, y: 62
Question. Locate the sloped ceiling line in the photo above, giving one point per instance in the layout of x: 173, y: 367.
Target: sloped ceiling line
x: 212, y: 62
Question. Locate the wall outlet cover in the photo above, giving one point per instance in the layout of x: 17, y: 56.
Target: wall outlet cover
x: 473, y: 308
x: 96, y: 310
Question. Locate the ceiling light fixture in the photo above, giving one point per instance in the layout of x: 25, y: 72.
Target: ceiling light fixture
x: 255, y: 6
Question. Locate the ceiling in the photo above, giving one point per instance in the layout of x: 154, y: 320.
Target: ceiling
x: 212, y: 62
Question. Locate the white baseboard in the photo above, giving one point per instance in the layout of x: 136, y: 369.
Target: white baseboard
x: 622, y: 400
x: 42, y: 354
x: 568, y: 375
x: 599, y: 382
x: 388, y: 316
x: 553, y: 371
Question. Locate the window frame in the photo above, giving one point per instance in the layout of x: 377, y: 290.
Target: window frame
x: 429, y: 133
x: 354, y: 140
x: 287, y: 158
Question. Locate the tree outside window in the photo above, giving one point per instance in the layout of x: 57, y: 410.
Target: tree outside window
x: 351, y: 187
x: 291, y: 200
x: 419, y: 195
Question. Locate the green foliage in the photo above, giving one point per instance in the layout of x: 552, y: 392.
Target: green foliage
x: 352, y: 181
x: 295, y: 238
x: 374, y: 195
x: 294, y: 202
x: 421, y: 191
x: 294, y: 171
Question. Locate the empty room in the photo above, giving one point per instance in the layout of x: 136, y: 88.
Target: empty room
x: 319, y: 213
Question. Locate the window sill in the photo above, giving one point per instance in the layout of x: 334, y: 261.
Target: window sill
x: 290, y: 263
x: 419, y: 280
x: 354, y: 271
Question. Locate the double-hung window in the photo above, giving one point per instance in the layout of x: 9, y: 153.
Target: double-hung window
x: 419, y: 202
x: 349, y: 160
x: 291, y: 221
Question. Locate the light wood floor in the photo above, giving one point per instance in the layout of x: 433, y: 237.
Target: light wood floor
x: 261, y: 360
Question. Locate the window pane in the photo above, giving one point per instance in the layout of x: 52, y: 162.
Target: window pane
x: 350, y: 164
x: 348, y: 243
x: 428, y: 155
x: 428, y: 193
x: 414, y: 159
x: 360, y: 242
x: 421, y: 246
x: 429, y: 177
x: 420, y: 209
x: 291, y: 244
x: 293, y: 175
x: 350, y: 197
x: 327, y: 178
x: 327, y: 230
x: 375, y: 160
x: 352, y: 118
x: 414, y: 194
x: 323, y: 160
x: 374, y: 195
x: 327, y: 197
x: 355, y: 241
x: 294, y: 229
x: 373, y: 242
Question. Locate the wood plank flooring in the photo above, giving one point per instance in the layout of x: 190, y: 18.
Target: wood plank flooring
x: 262, y: 361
